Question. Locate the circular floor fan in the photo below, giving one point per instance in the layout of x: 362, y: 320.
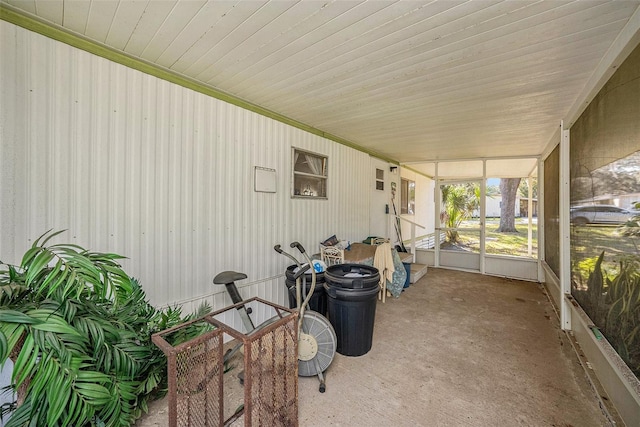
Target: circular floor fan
x: 317, y: 344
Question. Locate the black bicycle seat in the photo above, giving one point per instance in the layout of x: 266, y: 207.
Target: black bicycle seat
x: 228, y: 277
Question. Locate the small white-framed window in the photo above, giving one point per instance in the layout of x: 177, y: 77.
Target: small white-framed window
x: 380, y: 179
x: 407, y: 197
x: 309, y: 174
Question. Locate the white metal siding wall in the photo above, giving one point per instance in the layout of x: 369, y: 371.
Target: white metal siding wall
x: 139, y: 166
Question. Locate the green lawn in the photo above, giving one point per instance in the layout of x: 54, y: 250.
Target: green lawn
x: 513, y: 244
x: 587, y: 242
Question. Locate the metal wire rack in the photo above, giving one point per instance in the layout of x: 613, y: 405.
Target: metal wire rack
x: 196, y: 368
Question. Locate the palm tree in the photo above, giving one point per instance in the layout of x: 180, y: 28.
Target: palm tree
x: 459, y: 202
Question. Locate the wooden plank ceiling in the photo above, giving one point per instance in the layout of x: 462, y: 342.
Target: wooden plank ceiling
x: 411, y: 80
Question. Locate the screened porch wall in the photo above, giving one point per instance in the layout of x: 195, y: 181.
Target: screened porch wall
x: 163, y: 175
x: 605, y: 170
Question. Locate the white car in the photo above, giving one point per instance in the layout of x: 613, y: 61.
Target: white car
x: 601, y: 214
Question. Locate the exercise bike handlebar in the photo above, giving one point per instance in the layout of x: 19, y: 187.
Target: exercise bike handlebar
x: 278, y: 249
x: 297, y: 245
x: 301, y: 304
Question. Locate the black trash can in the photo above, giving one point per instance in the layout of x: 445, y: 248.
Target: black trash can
x: 318, y: 301
x: 352, y: 291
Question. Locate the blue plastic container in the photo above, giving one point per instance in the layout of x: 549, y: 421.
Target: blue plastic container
x: 407, y: 267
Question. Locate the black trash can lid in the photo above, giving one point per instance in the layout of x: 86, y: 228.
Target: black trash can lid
x: 360, y: 269
x: 352, y: 276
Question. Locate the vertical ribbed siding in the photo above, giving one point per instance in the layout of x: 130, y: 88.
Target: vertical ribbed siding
x: 135, y: 165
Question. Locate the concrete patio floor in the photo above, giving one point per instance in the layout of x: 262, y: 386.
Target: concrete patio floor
x: 456, y: 349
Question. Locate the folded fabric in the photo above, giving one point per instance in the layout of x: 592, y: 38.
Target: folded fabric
x: 383, y: 261
x: 399, y: 276
x: 396, y: 285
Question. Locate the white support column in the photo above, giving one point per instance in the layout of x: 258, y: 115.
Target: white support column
x: 436, y: 236
x: 540, y: 220
x: 565, y: 236
x: 530, y: 217
x: 483, y: 214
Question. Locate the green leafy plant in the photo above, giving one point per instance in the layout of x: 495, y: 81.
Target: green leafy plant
x: 584, y: 268
x: 78, y: 330
x: 613, y: 303
x: 623, y: 316
x: 459, y: 202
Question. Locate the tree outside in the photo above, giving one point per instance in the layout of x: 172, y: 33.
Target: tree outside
x: 460, y: 208
x: 509, y: 191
